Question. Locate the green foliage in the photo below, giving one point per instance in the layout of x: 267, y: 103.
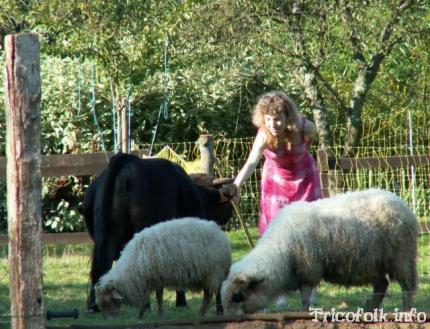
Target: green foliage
x: 222, y: 55
x: 123, y: 37
x: 61, y: 212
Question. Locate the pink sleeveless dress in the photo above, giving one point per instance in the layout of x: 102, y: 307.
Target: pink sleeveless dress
x: 287, y: 176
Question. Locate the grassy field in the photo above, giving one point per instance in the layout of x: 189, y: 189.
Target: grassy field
x: 66, y: 282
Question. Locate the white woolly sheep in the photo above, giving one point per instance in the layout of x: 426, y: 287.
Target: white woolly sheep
x: 356, y: 238
x: 181, y: 253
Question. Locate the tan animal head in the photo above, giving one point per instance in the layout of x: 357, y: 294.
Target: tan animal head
x: 108, y: 299
x: 243, y: 294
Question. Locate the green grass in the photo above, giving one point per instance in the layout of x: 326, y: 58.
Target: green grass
x: 66, y: 282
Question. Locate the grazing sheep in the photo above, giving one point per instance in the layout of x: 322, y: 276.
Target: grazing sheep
x: 181, y: 253
x: 357, y: 238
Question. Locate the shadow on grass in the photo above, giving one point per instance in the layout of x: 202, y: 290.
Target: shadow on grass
x: 350, y: 299
x: 129, y: 315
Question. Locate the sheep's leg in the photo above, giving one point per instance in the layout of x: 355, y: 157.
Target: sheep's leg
x: 207, y: 296
x: 379, y: 288
x: 407, y: 298
x: 219, y: 308
x: 145, y: 306
x: 159, y: 297
x: 306, y: 292
x: 409, y: 284
x: 313, y: 297
x: 181, y: 301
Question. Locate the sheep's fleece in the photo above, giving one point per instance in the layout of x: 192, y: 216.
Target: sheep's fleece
x: 181, y: 253
x: 356, y: 238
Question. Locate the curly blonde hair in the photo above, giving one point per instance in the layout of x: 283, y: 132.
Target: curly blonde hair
x: 273, y: 103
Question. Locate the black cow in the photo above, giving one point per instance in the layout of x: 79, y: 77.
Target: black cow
x: 133, y: 193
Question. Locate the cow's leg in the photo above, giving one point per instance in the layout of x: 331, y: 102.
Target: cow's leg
x: 181, y: 301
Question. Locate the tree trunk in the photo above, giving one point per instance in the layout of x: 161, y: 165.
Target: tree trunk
x: 362, y: 84
x: 332, y: 180
x: 318, y: 110
x: 22, y: 94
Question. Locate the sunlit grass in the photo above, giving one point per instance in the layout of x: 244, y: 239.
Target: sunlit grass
x: 66, y: 282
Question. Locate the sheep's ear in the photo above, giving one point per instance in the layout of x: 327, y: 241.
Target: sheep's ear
x: 254, y: 283
x: 116, y: 295
x: 240, y: 280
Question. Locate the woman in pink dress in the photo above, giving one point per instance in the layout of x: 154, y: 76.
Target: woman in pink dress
x: 289, y: 171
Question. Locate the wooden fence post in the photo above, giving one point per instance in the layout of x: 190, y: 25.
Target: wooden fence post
x: 124, y: 128
x: 322, y: 162
x: 22, y: 95
x: 207, y: 160
x: 331, y: 173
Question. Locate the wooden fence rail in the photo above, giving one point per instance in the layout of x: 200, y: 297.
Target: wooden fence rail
x: 72, y: 164
x: 93, y: 163
x: 368, y: 163
x: 348, y: 164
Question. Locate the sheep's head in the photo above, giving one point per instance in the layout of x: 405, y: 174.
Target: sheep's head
x: 108, y: 299
x: 243, y: 294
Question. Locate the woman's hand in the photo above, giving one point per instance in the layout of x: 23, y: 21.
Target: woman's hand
x: 229, y: 192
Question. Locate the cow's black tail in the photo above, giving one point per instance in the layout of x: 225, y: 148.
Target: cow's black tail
x: 115, y: 167
x: 88, y: 207
x: 105, y: 249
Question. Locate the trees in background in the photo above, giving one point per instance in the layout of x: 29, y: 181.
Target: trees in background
x: 340, y: 60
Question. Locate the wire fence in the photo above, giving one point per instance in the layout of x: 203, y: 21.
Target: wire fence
x: 410, y: 182
x: 63, y: 196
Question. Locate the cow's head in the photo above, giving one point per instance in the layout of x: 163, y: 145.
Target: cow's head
x: 217, y: 207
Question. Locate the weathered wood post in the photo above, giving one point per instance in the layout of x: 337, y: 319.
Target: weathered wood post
x: 323, y: 165
x: 22, y: 94
x: 124, y: 129
x: 331, y: 174
x: 122, y: 125
x: 207, y: 157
